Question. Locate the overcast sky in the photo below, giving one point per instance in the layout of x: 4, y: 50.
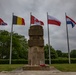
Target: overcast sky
x: 39, y: 9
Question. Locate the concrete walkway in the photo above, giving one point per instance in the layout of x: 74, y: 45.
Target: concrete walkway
x: 51, y: 72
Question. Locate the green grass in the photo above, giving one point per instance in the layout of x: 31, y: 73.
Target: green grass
x: 61, y: 67
x: 65, y: 67
x: 5, y: 67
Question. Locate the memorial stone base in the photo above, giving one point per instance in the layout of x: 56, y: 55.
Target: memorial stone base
x: 36, y: 68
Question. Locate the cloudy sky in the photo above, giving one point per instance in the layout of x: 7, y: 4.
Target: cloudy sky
x: 39, y: 9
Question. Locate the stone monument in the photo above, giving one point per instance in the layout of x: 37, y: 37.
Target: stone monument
x: 36, y: 59
x: 36, y: 46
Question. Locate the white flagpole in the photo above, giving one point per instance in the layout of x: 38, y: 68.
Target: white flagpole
x: 67, y: 41
x: 11, y: 40
x: 48, y: 40
x: 30, y: 26
x: 30, y: 18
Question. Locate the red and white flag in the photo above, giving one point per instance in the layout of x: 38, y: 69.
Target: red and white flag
x: 52, y: 20
x: 2, y: 23
x: 36, y: 21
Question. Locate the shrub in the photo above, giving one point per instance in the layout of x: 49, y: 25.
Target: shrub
x: 14, y: 61
x: 4, y: 61
x: 23, y: 61
x: 60, y: 61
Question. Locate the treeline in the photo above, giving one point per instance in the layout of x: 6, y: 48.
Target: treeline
x: 20, y: 48
x: 58, y: 53
x: 19, y: 45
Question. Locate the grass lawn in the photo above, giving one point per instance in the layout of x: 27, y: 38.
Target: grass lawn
x: 65, y: 67
x: 7, y: 67
x: 61, y: 67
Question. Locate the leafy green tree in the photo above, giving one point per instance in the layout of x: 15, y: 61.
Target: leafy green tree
x: 65, y: 55
x: 19, y: 45
x: 73, y: 53
x: 59, y: 53
x: 52, y: 51
x: 4, y: 37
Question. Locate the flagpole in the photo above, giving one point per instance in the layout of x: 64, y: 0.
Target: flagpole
x: 67, y: 40
x: 30, y: 18
x: 48, y: 40
x: 30, y: 26
x: 11, y: 40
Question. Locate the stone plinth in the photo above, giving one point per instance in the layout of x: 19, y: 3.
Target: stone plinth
x: 36, y: 67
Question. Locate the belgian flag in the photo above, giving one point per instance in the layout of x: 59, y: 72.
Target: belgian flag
x: 18, y: 20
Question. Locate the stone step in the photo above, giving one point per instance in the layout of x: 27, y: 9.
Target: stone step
x: 36, y: 67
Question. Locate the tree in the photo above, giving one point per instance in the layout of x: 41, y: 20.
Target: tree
x: 53, y: 52
x: 65, y: 55
x: 4, y: 43
x: 19, y: 45
x: 59, y: 53
x: 73, y: 53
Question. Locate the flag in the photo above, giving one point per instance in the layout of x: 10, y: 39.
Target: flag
x: 36, y: 21
x: 70, y: 21
x: 52, y: 20
x: 18, y: 20
x: 2, y: 22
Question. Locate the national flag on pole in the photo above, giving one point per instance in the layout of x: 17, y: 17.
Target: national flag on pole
x: 70, y: 21
x: 2, y: 23
x: 53, y: 20
x: 34, y: 20
x: 18, y: 20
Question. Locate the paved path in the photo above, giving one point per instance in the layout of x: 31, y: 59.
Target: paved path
x: 51, y: 72
x: 38, y: 73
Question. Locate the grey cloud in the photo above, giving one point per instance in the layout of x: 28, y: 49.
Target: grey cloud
x: 56, y: 8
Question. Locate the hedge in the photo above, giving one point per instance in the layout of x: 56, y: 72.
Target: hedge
x: 60, y: 61
x: 23, y: 61
x: 14, y: 61
x: 56, y: 61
